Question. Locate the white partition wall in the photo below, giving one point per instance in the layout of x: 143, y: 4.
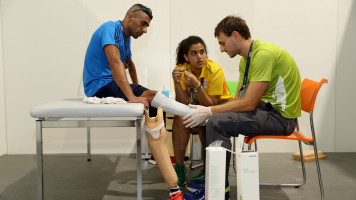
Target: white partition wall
x: 3, y: 140
x: 299, y: 28
x: 44, y: 44
x: 200, y: 18
x: 345, y: 136
x: 289, y: 24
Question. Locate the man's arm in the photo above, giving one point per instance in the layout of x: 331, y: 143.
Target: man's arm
x: 118, y: 72
x: 132, y: 72
x: 249, y: 102
x: 181, y: 95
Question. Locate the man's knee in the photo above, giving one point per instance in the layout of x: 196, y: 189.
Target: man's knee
x: 213, y: 121
x: 151, y: 93
x: 219, y: 125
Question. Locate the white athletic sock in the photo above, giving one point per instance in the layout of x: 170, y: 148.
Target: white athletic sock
x: 174, y: 190
x: 170, y: 106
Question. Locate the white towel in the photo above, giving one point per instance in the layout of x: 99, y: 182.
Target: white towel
x: 107, y: 100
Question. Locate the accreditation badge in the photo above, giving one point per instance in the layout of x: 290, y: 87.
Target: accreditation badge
x: 205, y: 84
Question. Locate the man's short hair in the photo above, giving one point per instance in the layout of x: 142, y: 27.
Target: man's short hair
x: 141, y: 8
x: 233, y: 23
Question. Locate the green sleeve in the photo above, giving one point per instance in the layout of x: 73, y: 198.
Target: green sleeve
x: 261, y: 66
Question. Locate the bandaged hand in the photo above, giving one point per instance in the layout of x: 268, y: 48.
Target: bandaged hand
x: 197, y: 117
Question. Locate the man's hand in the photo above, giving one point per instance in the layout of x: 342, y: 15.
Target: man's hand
x: 139, y: 100
x: 197, y: 117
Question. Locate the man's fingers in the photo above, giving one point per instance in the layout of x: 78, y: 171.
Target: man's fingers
x: 146, y: 105
x: 187, y: 121
x: 194, y: 106
x: 187, y: 116
x: 191, y: 124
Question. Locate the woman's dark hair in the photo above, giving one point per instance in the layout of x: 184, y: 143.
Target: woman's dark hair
x: 184, y: 45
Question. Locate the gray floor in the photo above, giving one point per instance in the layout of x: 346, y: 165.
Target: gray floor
x: 111, y: 177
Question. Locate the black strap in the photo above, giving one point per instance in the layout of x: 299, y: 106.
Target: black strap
x: 244, y: 83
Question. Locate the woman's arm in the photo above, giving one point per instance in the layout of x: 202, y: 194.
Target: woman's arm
x: 203, y: 98
x: 181, y: 95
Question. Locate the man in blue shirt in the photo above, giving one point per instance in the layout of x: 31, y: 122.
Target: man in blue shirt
x: 106, y: 60
x: 109, y: 55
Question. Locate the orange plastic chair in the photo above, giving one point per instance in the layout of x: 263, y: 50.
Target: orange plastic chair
x: 308, y: 91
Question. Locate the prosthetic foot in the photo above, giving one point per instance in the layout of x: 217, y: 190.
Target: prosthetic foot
x: 157, y: 142
x: 170, y: 105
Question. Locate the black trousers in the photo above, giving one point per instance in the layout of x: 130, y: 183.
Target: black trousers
x: 264, y: 120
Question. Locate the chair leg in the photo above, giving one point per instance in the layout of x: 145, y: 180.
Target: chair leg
x: 191, y: 154
x: 303, y: 164
x: 249, y: 146
x: 234, y: 156
x: 319, y: 172
x: 39, y: 153
x: 255, y: 145
x: 316, y: 157
x: 146, y: 148
x: 296, y: 185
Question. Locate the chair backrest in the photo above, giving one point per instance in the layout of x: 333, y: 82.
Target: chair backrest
x: 308, y: 93
x: 232, y: 87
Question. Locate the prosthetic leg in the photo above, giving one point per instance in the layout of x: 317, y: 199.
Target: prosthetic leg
x: 170, y: 105
x: 156, y: 134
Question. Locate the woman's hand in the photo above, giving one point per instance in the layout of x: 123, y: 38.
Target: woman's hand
x: 191, y: 80
x: 176, y: 74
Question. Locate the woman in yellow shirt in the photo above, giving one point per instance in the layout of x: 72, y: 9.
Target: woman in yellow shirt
x: 199, y: 81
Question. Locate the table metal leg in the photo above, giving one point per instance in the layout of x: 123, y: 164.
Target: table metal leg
x: 88, y: 143
x: 39, y: 152
x: 138, y: 159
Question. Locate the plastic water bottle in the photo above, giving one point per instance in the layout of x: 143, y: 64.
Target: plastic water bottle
x: 165, y: 92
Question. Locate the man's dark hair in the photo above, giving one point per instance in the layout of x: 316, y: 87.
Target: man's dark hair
x: 233, y: 23
x: 141, y: 8
x: 184, y: 45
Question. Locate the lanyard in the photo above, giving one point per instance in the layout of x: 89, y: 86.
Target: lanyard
x: 123, y: 32
x: 246, y: 69
x: 191, y: 90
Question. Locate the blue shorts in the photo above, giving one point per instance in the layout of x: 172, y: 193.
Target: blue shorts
x: 113, y: 90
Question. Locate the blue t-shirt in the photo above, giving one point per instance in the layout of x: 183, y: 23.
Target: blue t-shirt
x: 96, y: 71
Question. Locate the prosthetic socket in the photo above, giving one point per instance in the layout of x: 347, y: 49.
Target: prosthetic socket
x: 170, y: 106
x: 157, y: 136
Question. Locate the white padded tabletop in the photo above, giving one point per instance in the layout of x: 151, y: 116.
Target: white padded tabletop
x: 74, y: 108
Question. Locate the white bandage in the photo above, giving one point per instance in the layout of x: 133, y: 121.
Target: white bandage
x: 170, y: 106
x: 155, y: 133
x: 107, y: 100
x: 112, y: 100
x: 91, y: 100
